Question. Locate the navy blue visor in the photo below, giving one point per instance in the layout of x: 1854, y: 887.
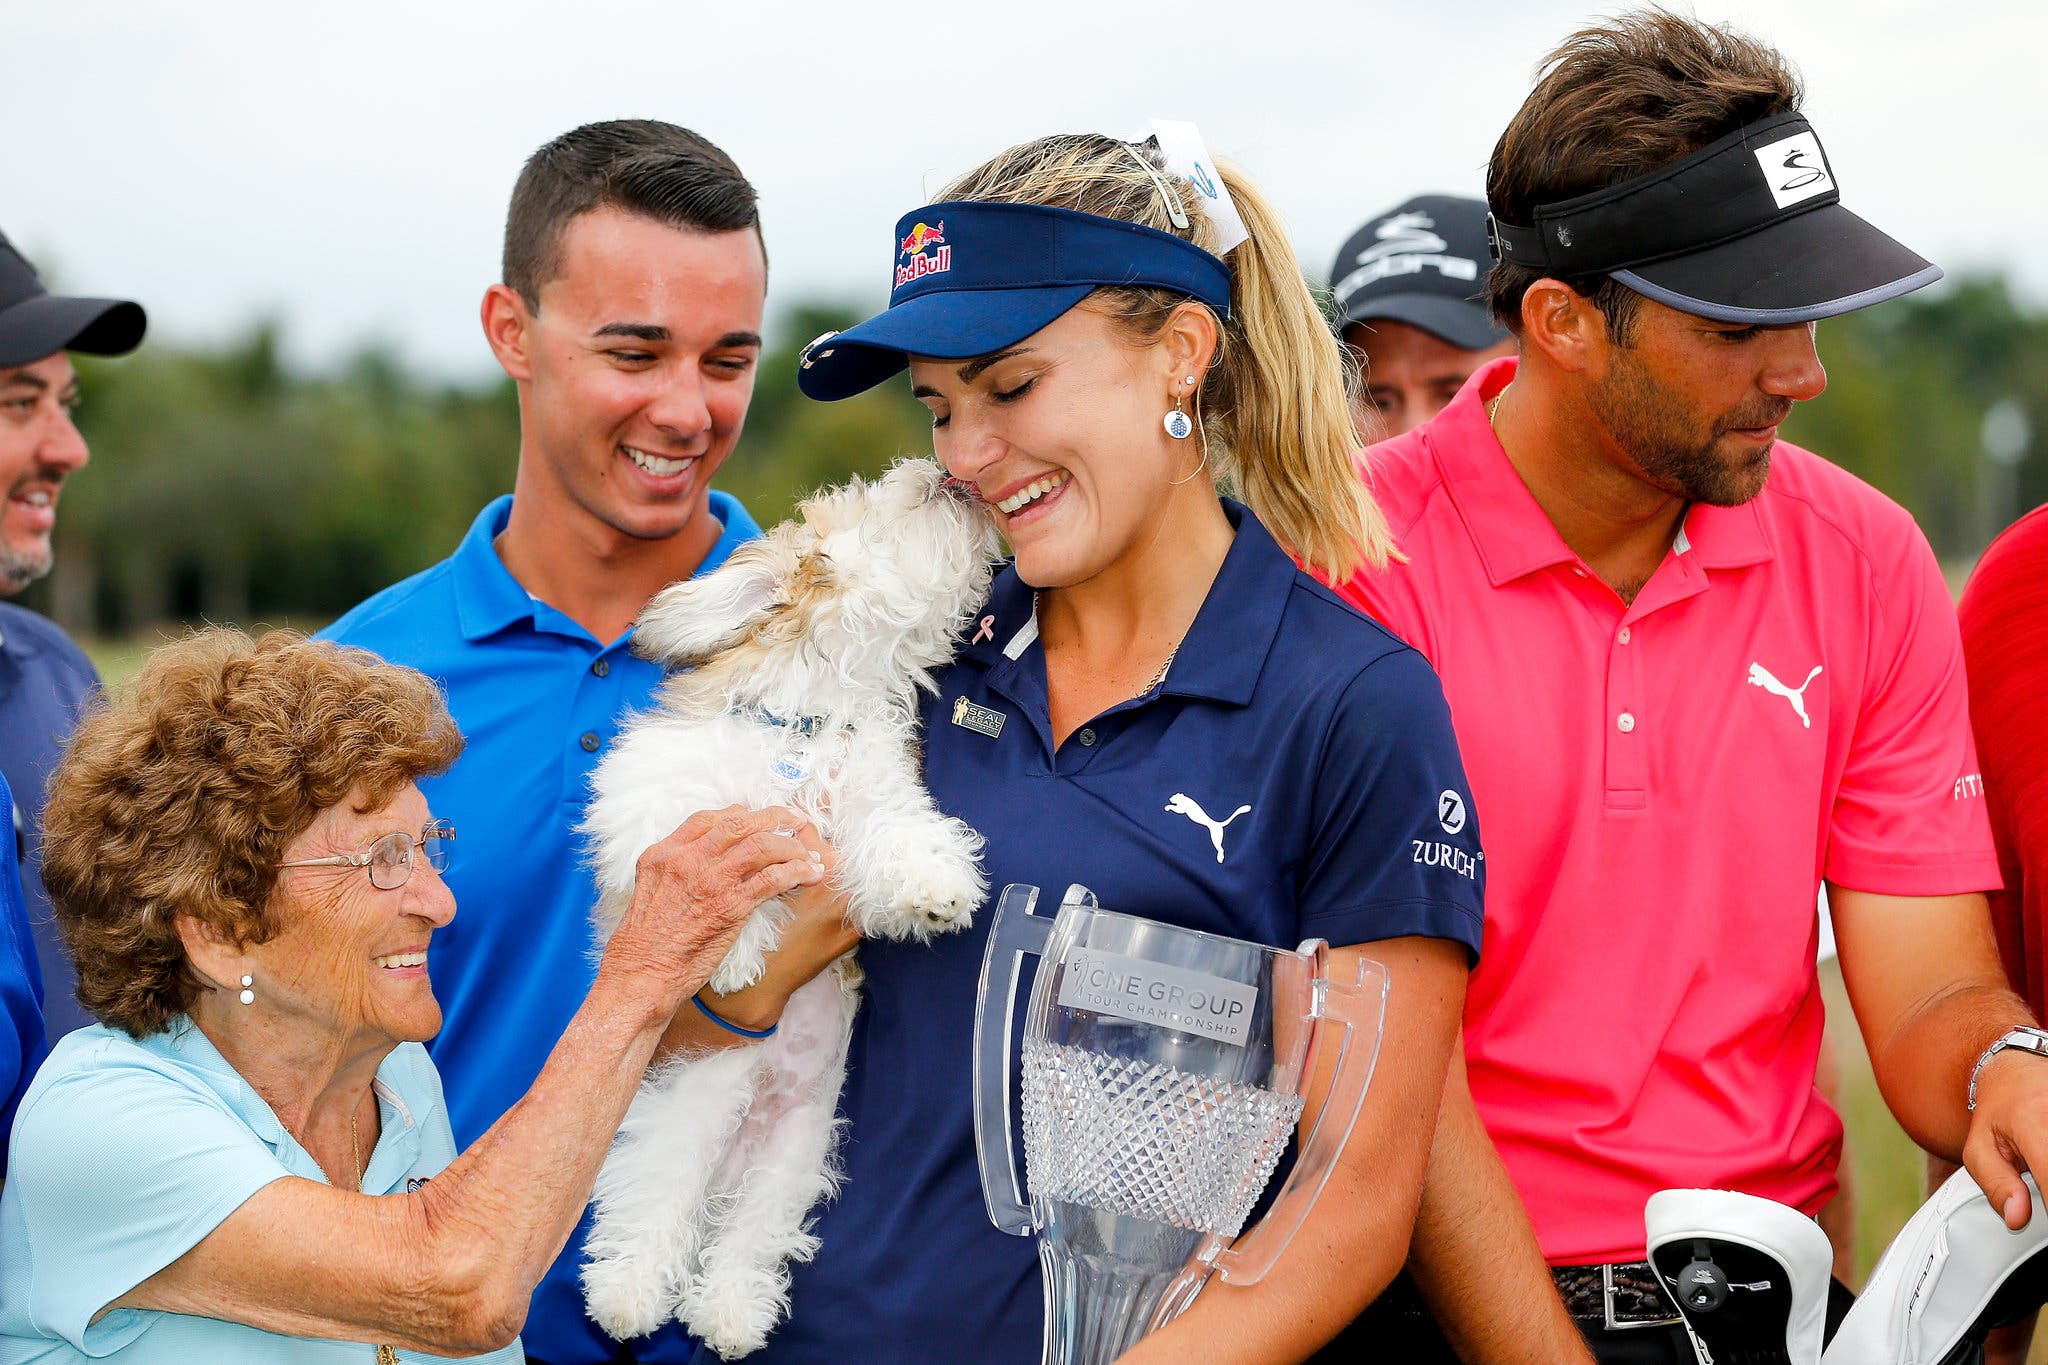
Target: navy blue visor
x: 970, y: 279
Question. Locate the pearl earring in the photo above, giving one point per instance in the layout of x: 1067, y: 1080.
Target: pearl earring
x: 248, y: 996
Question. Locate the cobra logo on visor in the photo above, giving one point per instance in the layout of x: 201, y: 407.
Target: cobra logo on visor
x: 1796, y: 169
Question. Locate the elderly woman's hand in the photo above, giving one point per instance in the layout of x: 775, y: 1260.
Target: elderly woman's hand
x: 694, y: 889
x: 816, y: 935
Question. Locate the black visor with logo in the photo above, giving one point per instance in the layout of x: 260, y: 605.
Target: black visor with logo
x: 1749, y: 229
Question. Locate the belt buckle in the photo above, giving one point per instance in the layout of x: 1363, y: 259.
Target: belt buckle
x: 1614, y: 1324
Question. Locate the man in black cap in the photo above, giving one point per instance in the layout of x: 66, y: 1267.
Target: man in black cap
x: 1410, y: 291
x: 1695, y: 672
x: 44, y: 678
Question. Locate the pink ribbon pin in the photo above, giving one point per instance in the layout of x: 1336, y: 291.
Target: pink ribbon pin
x: 986, y: 632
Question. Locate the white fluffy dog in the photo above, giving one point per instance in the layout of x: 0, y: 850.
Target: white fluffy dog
x: 800, y: 661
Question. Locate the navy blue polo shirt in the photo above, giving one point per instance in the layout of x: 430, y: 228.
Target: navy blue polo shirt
x: 538, y: 699
x: 1317, y: 740
x: 22, y: 1044
x: 45, y: 683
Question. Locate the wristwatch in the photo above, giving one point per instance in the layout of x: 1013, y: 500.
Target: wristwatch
x: 2024, y: 1038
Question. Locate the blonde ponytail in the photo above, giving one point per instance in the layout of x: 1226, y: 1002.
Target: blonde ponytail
x: 1275, y: 417
x: 1292, y: 433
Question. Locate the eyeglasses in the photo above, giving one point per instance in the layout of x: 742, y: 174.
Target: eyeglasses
x: 389, y: 860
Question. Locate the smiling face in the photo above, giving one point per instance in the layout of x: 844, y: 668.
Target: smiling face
x: 349, y: 960
x: 1693, y: 405
x: 1061, y: 436
x: 636, y: 370
x: 39, y: 449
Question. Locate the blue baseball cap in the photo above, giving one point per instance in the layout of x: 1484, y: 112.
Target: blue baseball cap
x: 969, y: 279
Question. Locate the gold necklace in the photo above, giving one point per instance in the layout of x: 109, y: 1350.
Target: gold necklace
x: 385, y: 1355
x: 1160, y: 676
x: 1493, y: 408
x: 1171, y: 654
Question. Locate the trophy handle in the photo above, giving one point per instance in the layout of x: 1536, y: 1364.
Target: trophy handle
x: 1013, y: 933
x: 1360, y: 1009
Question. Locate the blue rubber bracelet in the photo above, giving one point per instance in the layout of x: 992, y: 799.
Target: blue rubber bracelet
x: 729, y: 1026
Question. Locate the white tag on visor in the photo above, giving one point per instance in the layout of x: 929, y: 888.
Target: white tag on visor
x: 1795, y: 168
x: 1188, y: 158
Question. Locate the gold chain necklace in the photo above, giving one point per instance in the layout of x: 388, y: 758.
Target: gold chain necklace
x: 1493, y: 408
x: 1160, y: 676
x: 1171, y: 654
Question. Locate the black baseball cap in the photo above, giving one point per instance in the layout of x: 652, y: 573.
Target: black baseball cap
x: 1424, y: 264
x: 1748, y: 229
x: 35, y: 323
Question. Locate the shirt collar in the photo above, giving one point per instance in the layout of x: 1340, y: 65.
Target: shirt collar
x: 1512, y: 534
x: 488, y: 598
x: 17, y: 641
x: 397, y: 1146
x: 1223, y: 652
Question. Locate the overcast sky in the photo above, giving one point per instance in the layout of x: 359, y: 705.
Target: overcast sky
x: 345, y: 167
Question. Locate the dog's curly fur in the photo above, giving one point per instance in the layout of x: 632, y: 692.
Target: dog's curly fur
x: 799, y: 663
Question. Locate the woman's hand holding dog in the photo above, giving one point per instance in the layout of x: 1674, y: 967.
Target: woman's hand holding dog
x: 694, y: 889
x: 816, y: 935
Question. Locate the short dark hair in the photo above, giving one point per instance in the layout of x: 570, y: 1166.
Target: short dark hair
x: 642, y: 166
x: 1615, y: 101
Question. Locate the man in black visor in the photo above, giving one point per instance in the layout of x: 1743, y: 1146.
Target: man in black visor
x: 1696, y: 672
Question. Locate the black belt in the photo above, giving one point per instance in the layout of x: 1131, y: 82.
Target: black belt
x: 1617, y: 1296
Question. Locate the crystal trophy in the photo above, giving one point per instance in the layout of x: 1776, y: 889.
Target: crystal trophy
x: 1161, y: 1075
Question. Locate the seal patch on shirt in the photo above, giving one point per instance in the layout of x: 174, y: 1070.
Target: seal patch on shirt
x: 983, y: 720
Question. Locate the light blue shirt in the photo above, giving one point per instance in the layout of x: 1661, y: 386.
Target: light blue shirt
x: 126, y: 1153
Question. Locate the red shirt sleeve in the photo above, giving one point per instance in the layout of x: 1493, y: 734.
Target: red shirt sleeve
x: 2004, y: 616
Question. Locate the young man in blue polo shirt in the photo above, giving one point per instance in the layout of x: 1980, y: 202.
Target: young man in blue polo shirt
x: 629, y: 319
x: 45, y: 679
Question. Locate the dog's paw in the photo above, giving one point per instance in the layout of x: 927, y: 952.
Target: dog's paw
x: 938, y: 892
x: 917, y: 878
x: 626, y: 1296
x: 734, y: 975
x: 748, y: 956
x: 943, y: 902
x: 733, y: 1314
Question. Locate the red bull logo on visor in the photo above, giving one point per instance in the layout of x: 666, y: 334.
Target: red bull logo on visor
x: 919, y: 265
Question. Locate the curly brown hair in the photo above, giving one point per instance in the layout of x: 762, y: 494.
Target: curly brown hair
x: 178, y: 796
x: 1615, y: 101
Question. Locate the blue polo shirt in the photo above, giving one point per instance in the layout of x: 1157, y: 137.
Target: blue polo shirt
x: 45, y: 683
x: 538, y: 699
x: 21, y: 1017
x: 1331, y: 733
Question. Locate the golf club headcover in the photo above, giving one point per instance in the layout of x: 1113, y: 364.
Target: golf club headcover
x: 1749, y: 1275
x: 1954, y: 1272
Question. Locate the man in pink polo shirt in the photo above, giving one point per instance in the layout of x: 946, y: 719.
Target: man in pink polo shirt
x: 1695, y: 672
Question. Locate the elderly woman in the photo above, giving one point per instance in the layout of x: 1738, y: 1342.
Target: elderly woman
x: 247, y: 1159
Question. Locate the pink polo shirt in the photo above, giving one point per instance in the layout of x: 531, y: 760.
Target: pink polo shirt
x: 1663, y: 787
